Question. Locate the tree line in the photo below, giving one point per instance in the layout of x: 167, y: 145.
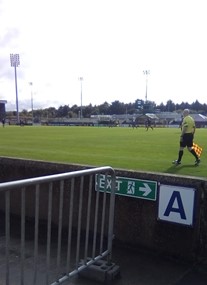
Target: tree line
x: 116, y: 107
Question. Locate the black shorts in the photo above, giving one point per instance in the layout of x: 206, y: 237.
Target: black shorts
x: 187, y: 140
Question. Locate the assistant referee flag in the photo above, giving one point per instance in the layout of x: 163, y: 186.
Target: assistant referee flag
x: 198, y: 149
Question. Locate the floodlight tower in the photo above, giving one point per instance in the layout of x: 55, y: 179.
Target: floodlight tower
x: 31, y: 84
x: 81, y: 112
x: 146, y: 73
x: 14, y: 59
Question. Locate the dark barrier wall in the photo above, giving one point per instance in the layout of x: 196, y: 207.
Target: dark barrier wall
x: 137, y: 221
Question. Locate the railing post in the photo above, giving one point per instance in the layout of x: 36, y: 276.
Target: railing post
x: 7, y: 225
x: 111, y: 216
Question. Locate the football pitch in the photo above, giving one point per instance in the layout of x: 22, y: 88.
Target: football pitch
x: 123, y: 148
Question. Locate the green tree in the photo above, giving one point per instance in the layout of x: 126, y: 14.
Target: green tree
x: 196, y: 106
x: 170, y: 106
x: 76, y: 110
x: 117, y: 108
x: 104, y: 108
x: 63, y: 111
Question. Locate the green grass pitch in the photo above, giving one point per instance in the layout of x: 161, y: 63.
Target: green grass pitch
x: 123, y: 148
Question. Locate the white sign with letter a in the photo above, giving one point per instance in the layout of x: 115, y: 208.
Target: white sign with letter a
x: 176, y: 204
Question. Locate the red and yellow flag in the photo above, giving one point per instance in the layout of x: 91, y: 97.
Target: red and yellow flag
x: 198, y: 149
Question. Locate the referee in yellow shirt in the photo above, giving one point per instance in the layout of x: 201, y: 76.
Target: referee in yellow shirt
x: 186, y: 138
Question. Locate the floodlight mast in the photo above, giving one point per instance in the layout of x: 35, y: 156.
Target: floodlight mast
x: 31, y: 84
x: 146, y: 72
x: 14, y: 59
x: 81, y: 111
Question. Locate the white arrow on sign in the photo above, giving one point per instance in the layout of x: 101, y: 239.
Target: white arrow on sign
x: 146, y: 189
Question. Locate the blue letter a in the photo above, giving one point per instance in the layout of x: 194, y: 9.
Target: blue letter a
x: 180, y: 209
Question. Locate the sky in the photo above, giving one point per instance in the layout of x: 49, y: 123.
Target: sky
x: 109, y: 43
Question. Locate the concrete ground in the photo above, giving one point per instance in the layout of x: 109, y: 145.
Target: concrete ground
x: 145, y: 268
x: 136, y: 268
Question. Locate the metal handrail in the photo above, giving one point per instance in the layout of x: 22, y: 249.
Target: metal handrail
x: 14, y: 186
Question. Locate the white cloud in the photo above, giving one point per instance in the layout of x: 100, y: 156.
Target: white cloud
x: 109, y: 43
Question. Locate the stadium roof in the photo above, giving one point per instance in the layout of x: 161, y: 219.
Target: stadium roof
x: 152, y: 116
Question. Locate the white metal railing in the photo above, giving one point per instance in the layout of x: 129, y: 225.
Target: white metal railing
x: 84, y: 221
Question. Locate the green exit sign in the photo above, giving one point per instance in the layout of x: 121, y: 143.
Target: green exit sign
x: 136, y: 188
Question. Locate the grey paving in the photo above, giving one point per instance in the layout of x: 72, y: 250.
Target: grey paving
x: 137, y: 267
